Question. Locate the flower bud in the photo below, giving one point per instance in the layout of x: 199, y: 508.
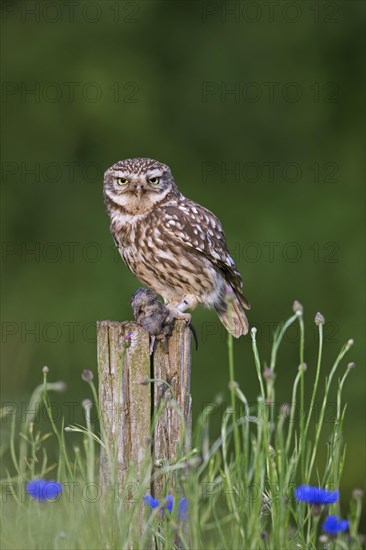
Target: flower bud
x: 351, y: 365
x: 297, y: 308
x: 87, y: 375
x: 285, y: 410
x: 271, y: 450
x: 126, y: 340
x: 319, y: 319
x: 219, y: 399
x: 316, y: 509
x: 45, y: 370
x: 357, y: 493
x: 60, y: 386
x: 268, y: 374
x: 87, y: 404
x: 194, y: 461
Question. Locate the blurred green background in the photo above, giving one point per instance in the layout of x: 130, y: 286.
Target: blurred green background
x: 258, y: 109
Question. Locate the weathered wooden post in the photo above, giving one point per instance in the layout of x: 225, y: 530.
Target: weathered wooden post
x: 128, y: 406
x: 173, y: 428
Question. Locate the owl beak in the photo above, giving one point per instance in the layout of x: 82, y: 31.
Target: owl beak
x: 139, y: 189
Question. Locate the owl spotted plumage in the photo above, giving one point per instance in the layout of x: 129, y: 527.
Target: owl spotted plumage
x: 173, y: 245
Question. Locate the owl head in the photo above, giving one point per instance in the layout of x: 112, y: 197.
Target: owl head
x: 136, y: 184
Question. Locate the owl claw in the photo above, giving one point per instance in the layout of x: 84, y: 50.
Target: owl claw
x: 186, y: 317
x: 152, y: 344
x: 194, y: 334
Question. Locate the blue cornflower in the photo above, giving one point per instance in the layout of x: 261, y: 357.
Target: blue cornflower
x: 316, y: 495
x: 43, y: 490
x: 183, y: 509
x: 151, y: 501
x: 333, y: 525
x: 167, y: 504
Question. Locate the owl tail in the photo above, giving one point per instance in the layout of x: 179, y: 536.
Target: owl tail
x: 233, y: 317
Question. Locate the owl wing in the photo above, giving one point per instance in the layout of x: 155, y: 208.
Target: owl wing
x: 197, y: 228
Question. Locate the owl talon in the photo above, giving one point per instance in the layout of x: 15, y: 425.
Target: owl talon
x: 194, y: 334
x: 152, y: 344
x: 180, y: 316
x: 186, y: 317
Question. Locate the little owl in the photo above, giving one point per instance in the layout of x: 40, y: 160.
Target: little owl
x: 173, y: 245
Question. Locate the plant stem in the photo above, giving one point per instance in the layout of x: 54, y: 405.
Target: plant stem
x: 341, y: 354
x: 257, y: 362
x: 232, y: 395
x: 316, y: 381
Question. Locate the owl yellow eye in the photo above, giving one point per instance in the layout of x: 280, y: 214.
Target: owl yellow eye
x: 154, y: 181
x: 122, y: 181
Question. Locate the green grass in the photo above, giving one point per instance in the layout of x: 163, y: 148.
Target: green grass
x: 239, y: 486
